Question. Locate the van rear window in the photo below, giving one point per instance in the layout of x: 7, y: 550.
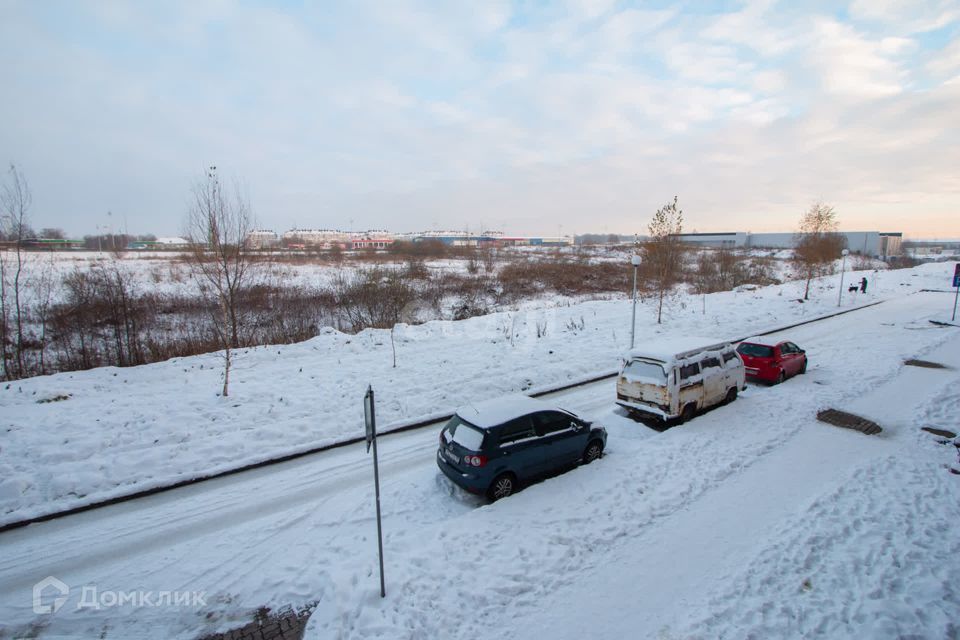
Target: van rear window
x: 641, y: 369
x: 755, y: 350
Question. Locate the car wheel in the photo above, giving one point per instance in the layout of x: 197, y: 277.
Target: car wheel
x: 689, y: 413
x: 731, y: 395
x: 502, y: 486
x: 803, y: 369
x: 593, y: 451
x: 781, y: 377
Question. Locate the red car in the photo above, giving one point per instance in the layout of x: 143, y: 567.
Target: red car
x: 772, y: 361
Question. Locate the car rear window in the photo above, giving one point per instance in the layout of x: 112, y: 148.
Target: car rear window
x: 465, y: 434
x: 755, y: 350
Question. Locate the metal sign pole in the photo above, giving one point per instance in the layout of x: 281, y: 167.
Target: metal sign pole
x: 956, y: 284
x: 633, y: 318
x: 371, y: 424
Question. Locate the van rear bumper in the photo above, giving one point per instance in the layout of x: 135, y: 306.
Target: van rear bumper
x: 645, y: 408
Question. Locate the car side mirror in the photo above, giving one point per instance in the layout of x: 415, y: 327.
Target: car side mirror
x: 577, y: 426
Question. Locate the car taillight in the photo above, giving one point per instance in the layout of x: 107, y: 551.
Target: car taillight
x: 475, y: 461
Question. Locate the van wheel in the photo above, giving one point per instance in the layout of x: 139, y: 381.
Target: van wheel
x: 689, y: 413
x: 731, y: 395
x: 593, y: 451
x: 502, y: 486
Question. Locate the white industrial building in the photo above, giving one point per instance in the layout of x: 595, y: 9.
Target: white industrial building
x: 871, y: 243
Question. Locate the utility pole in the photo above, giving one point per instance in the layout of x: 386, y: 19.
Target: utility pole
x: 843, y: 269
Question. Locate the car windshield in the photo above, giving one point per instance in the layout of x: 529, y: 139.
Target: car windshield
x: 755, y: 350
x: 465, y: 434
x: 641, y: 369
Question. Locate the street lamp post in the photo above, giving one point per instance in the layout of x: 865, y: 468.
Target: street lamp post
x: 635, y: 261
x: 843, y: 268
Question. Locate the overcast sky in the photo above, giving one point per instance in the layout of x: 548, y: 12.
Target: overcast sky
x: 528, y: 117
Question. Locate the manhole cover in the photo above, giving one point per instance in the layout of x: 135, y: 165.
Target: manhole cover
x: 926, y: 364
x: 943, y: 433
x: 848, y: 421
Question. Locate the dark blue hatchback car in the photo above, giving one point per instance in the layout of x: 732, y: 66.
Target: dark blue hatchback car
x: 493, y: 447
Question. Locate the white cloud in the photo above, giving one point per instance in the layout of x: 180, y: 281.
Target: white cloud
x: 911, y: 16
x: 850, y: 64
x: 400, y: 115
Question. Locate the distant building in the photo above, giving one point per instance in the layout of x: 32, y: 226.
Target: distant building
x: 372, y: 239
x: 489, y: 239
x: 731, y: 239
x: 262, y: 239
x: 871, y: 243
x: 316, y: 239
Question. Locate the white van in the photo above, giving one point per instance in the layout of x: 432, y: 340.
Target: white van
x: 676, y: 378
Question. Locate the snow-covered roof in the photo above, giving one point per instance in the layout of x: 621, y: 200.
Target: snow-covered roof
x: 764, y: 340
x: 670, y: 349
x: 491, y: 413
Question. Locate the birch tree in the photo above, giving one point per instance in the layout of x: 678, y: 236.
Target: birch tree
x: 15, y: 201
x: 817, y: 244
x: 217, y: 227
x: 663, y: 252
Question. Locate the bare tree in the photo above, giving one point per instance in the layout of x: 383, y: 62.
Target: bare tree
x: 43, y: 282
x: 53, y: 233
x: 817, y: 244
x: 705, y: 276
x: 5, y: 355
x: 217, y: 226
x: 15, y: 201
x: 663, y: 251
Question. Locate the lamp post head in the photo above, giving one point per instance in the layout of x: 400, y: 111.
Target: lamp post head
x: 635, y: 260
x: 845, y: 253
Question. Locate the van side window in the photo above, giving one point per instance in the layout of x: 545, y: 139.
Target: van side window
x: 516, y: 430
x: 710, y: 362
x: 730, y: 355
x: 689, y: 370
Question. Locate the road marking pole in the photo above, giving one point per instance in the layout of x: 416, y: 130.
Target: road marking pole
x: 371, y: 423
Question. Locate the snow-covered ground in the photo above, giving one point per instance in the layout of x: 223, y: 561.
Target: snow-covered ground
x: 75, y: 438
x: 753, y: 520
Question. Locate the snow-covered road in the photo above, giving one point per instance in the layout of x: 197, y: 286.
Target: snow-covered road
x: 667, y: 517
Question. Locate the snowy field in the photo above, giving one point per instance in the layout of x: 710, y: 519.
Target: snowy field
x: 81, y: 437
x: 753, y: 520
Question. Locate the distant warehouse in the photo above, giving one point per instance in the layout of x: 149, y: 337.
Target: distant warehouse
x: 871, y: 243
x: 488, y: 238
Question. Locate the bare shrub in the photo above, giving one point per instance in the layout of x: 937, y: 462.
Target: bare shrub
x: 567, y: 277
x: 372, y: 297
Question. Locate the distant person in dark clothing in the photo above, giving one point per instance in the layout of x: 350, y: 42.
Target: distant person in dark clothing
x: 863, y: 284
